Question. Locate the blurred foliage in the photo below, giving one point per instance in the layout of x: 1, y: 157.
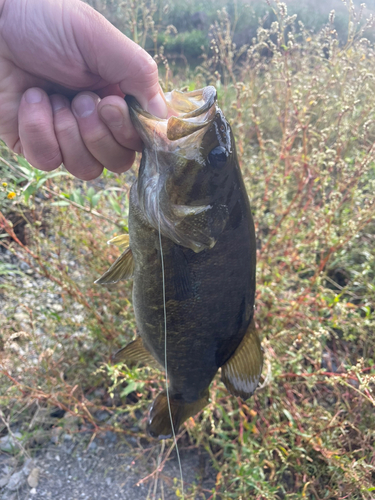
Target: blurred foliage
x: 180, y: 27
x: 302, y: 108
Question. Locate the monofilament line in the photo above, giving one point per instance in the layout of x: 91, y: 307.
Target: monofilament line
x: 165, y: 328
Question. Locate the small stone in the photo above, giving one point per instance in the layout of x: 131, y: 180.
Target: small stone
x: 28, y: 466
x: 93, y: 446
x: 8, y: 444
x: 57, y: 307
x: 21, y: 317
x: 33, y: 478
x: 4, y: 481
x: 33, y: 491
x: 110, y: 437
x: 102, y: 415
x: 16, y: 481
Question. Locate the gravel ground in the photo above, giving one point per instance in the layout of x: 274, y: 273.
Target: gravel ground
x: 63, y: 464
x: 108, y: 468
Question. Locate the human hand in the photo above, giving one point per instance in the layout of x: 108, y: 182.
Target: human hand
x: 49, y: 53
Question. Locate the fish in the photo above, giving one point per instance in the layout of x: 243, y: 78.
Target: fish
x: 191, y: 252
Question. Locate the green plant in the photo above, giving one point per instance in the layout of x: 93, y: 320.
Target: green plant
x: 301, y: 107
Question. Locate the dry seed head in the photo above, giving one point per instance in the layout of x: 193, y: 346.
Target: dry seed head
x: 283, y: 9
x: 274, y: 27
x: 331, y: 16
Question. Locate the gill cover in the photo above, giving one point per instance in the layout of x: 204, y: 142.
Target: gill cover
x: 174, y: 182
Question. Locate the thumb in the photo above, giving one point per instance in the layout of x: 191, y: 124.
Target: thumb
x: 117, y: 59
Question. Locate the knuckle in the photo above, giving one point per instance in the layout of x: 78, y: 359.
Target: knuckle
x: 65, y: 129
x: 97, y: 138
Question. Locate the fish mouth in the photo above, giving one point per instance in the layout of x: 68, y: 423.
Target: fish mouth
x: 188, y: 112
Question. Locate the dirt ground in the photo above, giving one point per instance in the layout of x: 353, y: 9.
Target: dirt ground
x: 108, y: 467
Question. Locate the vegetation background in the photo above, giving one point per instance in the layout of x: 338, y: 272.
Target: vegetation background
x: 297, y: 83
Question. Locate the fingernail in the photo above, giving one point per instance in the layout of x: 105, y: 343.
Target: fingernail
x: 33, y: 96
x: 83, y: 106
x: 157, y: 106
x: 112, y: 115
x: 57, y: 102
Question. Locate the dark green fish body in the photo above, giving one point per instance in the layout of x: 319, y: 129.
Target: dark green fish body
x: 192, y: 244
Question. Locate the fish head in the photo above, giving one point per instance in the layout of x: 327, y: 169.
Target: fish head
x: 186, y: 171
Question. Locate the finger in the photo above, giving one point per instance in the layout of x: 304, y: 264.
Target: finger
x: 117, y: 59
x: 96, y: 135
x: 36, y: 130
x: 76, y: 157
x: 114, y: 112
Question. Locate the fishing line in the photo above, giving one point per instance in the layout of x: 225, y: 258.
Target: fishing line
x: 165, y: 327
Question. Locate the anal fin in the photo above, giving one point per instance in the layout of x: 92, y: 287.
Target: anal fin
x: 121, y: 269
x: 135, y: 353
x: 241, y: 373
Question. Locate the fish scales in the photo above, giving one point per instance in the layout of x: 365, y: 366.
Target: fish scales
x: 190, y: 188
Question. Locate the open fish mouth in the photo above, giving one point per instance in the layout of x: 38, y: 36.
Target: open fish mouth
x: 188, y: 112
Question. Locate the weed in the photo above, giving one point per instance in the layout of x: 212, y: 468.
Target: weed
x: 302, y: 111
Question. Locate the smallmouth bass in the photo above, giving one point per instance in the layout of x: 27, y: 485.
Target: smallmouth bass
x: 192, y: 257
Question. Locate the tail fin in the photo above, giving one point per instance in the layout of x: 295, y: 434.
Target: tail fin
x: 159, y: 424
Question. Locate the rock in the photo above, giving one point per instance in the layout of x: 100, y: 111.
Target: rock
x: 21, y: 316
x: 4, y: 480
x: 57, y: 307
x: 8, y: 444
x: 33, y: 478
x: 102, y: 415
x: 16, y: 481
x: 110, y: 437
x: 92, y: 446
x: 24, y: 266
x: 28, y: 466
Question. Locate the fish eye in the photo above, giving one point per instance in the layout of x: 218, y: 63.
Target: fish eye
x: 218, y: 157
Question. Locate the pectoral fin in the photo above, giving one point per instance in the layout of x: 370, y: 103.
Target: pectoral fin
x: 241, y: 373
x: 122, y: 269
x: 134, y: 353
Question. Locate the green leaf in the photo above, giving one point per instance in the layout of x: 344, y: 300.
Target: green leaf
x: 115, y: 205
x: 90, y: 192
x: 28, y: 172
x: 22, y: 161
x: 77, y: 198
x: 288, y: 415
x: 28, y: 192
x: 95, y: 199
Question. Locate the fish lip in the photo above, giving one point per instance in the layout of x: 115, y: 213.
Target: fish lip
x: 178, y: 124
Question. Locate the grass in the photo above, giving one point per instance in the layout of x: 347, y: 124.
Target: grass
x: 302, y: 109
